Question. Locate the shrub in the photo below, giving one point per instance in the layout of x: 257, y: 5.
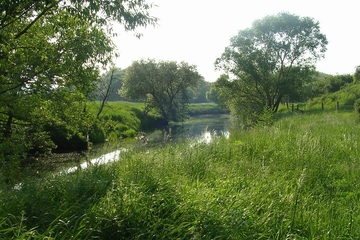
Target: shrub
x: 357, y: 106
x: 97, y: 135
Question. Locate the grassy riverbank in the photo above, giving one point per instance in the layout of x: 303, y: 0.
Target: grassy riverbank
x: 124, y: 119
x: 296, y: 179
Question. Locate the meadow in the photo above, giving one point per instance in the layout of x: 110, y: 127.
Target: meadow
x: 297, y: 178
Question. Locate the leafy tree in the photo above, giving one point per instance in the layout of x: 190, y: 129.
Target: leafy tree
x: 110, y: 84
x: 357, y: 74
x: 163, y: 85
x: 50, y: 55
x: 199, y: 95
x: 214, y: 95
x: 273, y: 58
x: 329, y: 84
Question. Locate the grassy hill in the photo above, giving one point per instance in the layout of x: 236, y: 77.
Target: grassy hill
x: 346, y: 97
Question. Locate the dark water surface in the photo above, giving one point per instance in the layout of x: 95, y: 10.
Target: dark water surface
x: 199, y: 130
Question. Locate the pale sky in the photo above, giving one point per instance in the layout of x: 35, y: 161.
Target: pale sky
x: 197, y: 31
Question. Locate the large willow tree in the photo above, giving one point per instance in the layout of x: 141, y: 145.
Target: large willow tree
x: 270, y: 60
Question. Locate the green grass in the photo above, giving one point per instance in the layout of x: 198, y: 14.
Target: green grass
x: 345, y: 96
x: 120, y: 120
x: 205, y: 108
x: 296, y: 179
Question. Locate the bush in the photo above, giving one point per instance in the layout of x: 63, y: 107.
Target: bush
x: 357, y: 106
x: 65, y: 139
x: 97, y: 135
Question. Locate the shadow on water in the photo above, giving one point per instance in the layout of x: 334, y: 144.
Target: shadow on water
x: 198, y: 130
x: 201, y: 129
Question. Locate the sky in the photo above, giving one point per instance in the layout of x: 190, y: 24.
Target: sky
x: 197, y: 31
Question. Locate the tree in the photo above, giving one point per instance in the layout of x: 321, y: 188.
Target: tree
x: 199, y: 96
x: 50, y: 45
x: 110, y: 84
x: 326, y: 83
x: 273, y: 58
x: 214, y: 94
x: 50, y: 55
x: 162, y: 85
x: 357, y: 74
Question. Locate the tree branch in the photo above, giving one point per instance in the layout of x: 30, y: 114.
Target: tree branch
x: 34, y: 21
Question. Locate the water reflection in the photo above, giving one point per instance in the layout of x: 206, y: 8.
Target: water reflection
x: 103, y: 159
x: 200, y: 131
x: 208, y: 136
x: 204, y: 130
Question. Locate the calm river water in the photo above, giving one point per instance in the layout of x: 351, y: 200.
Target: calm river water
x: 199, y: 130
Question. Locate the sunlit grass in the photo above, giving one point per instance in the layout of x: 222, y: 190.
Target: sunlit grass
x: 296, y: 179
x: 205, y: 108
x: 346, y: 98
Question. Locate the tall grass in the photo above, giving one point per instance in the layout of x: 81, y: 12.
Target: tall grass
x: 296, y: 179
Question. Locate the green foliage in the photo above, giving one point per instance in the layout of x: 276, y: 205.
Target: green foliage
x: 291, y: 180
x: 357, y: 106
x: 346, y: 97
x: 272, y: 59
x: 215, y: 94
x: 12, y: 151
x: 357, y: 74
x: 120, y: 120
x: 161, y: 85
x: 115, y: 81
x: 25, y: 141
x: 329, y: 84
x: 198, y: 95
x: 117, y: 121
x: 50, y: 57
x: 97, y: 133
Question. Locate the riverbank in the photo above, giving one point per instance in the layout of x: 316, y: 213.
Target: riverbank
x: 120, y: 120
x: 197, y: 128
x: 296, y: 179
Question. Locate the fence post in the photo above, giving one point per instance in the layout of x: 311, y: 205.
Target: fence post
x: 322, y: 106
x: 337, y: 105
x: 292, y: 107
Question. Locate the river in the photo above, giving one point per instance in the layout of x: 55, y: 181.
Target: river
x: 200, y: 129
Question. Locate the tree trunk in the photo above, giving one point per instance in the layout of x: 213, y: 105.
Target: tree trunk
x: 276, y: 104
x: 8, y: 125
x: 107, y: 94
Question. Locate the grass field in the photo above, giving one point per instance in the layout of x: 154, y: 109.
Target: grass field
x: 296, y: 179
